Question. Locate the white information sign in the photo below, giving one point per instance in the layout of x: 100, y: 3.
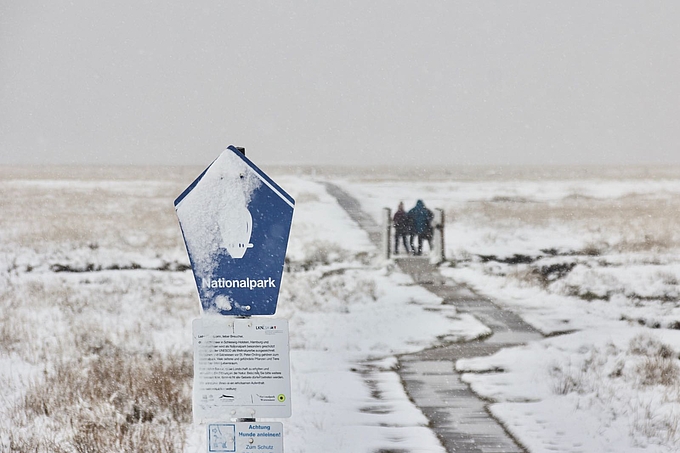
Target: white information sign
x: 245, y: 436
x: 241, y: 368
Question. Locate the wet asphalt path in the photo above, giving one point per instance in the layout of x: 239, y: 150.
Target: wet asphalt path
x: 458, y: 417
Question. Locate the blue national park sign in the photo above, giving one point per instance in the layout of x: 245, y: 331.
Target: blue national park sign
x: 236, y: 222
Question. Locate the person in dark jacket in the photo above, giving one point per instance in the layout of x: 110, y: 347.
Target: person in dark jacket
x: 411, y: 232
x: 422, y: 225
x: 400, y: 221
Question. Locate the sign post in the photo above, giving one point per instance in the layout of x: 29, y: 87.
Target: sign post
x: 438, y: 252
x: 236, y: 222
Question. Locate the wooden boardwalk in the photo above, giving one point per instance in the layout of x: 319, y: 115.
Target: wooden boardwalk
x: 458, y: 417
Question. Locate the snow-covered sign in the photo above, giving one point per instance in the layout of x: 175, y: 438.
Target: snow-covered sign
x: 236, y: 221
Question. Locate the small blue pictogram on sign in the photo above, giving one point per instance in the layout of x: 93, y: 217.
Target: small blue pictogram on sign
x: 221, y: 438
x: 236, y: 222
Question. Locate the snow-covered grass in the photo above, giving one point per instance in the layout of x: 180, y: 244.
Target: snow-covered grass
x: 96, y: 302
x: 589, y: 251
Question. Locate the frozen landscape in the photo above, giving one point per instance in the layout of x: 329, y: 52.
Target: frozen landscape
x: 97, y: 301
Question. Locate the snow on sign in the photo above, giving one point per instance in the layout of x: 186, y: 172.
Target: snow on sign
x: 236, y: 221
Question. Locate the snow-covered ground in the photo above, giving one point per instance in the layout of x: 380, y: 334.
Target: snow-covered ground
x: 96, y: 304
x: 590, y: 259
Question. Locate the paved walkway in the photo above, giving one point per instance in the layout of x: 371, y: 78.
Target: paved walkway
x: 456, y: 414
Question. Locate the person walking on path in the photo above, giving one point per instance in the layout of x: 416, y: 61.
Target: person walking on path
x: 400, y: 221
x: 422, y: 219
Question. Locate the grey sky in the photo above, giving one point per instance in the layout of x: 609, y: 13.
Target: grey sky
x: 455, y: 82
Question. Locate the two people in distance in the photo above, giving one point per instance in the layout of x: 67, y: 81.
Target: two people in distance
x: 417, y: 222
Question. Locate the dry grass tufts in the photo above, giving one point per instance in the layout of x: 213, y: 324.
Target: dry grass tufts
x: 648, y: 366
x: 328, y: 292
x: 307, y: 197
x: 654, y: 427
x: 566, y: 381
x: 648, y: 346
x: 323, y: 253
x: 642, y: 223
x: 12, y: 332
x: 647, y: 243
x: 97, y: 437
x: 653, y: 363
x: 540, y: 275
x: 140, y: 388
x: 89, y: 214
x: 526, y: 277
x: 31, y: 442
x: 113, y: 402
x: 658, y: 371
x: 659, y: 365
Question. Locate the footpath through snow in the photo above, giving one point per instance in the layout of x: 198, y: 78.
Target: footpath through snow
x: 458, y: 417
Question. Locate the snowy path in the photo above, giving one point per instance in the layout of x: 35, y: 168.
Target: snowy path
x: 458, y: 417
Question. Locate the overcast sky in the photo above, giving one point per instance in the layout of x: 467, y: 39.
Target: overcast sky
x: 318, y: 82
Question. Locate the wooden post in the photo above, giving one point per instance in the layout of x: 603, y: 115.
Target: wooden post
x: 387, y: 233
x: 438, y: 254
